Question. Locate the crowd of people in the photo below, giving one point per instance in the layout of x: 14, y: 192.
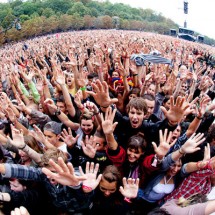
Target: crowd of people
x: 107, y: 122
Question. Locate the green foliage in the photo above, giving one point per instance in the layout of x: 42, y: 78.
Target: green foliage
x: 47, y: 12
x: 24, y: 18
x: 8, y: 21
x: 78, y: 8
x: 47, y: 16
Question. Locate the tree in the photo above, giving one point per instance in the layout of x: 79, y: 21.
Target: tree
x: 88, y: 21
x: 8, y: 21
x: 107, y: 22
x: 47, y: 12
x: 24, y: 18
x: 79, y: 8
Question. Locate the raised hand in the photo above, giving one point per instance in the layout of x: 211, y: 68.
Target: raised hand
x: 38, y: 134
x: 164, y: 145
x: 18, y: 139
x: 177, y: 110
x: 39, y: 85
x: 60, y: 77
x: 203, y: 105
x: 92, y: 180
x: 207, y: 153
x: 63, y: 173
x: 78, y: 99
x: 130, y: 188
x: 107, y: 123
x: 10, y: 114
x: 51, y: 105
x: 91, y: 107
x: 101, y: 94
x: 68, y: 138
x: 89, y: 147
x: 191, y: 145
x: 20, y: 211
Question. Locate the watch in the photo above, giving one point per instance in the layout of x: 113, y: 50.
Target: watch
x: 58, y: 112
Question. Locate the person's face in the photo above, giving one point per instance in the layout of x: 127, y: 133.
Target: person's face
x: 176, y: 133
x: 40, y: 108
x: 16, y: 186
x: 90, y: 81
x: 150, y: 105
x: 30, y: 97
x: 24, y: 157
x: 51, y: 137
x: 151, y: 89
x: 131, y: 96
x: 184, y: 87
x: 61, y: 106
x: 115, y: 75
x: 70, y: 79
x: 174, y: 169
x: 133, y: 154
x: 87, y: 126
x: 56, y: 94
x: 163, y: 79
x: 167, y: 105
x: 136, y: 117
x: 100, y: 142
x: 107, y: 188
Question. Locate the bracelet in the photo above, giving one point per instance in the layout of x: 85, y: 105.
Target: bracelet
x: 199, y: 117
x: 81, y: 108
x: 57, y: 112
x: 127, y: 200
x: 83, y: 88
x: 198, y: 165
x: 156, y: 161
x: 182, y: 153
x: 86, y: 187
x: 23, y: 147
x: 135, y: 75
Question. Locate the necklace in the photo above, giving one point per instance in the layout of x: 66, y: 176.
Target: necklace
x: 167, y: 181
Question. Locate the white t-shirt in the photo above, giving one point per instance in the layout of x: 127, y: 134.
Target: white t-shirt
x: 211, y: 196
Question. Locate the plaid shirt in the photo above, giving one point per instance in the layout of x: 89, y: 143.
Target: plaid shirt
x: 196, y: 182
x: 64, y: 198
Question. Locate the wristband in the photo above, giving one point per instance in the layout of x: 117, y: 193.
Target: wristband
x: 83, y: 88
x: 81, y: 108
x: 23, y: 147
x: 87, y: 188
x: 58, y: 112
x: 199, y: 117
x: 135, y: 75
x: 198, y: 165
x: 127, y: 200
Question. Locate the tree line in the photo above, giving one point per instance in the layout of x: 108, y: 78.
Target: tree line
x: 39, y: 17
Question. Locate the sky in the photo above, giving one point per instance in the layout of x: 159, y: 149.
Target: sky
x: 200, y: 12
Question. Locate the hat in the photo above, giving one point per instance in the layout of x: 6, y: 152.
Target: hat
x: 54, y: 127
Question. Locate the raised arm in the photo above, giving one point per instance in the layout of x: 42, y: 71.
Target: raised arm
x: 108, y: 127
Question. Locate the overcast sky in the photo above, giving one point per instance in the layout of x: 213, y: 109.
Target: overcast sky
x: 201, y: 13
